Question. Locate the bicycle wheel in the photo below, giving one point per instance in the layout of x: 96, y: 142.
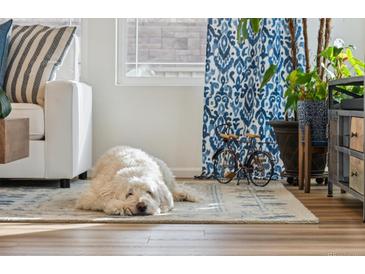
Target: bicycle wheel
x: 225, y: 166
x: 260, y: 168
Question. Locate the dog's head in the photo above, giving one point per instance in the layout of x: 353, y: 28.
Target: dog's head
x: 145, y: 195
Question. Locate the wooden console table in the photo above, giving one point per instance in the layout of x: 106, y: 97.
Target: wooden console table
x: 14, y: 139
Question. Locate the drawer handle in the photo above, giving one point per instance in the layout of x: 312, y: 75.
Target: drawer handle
x: 353, y: 134
x: 354, y: 173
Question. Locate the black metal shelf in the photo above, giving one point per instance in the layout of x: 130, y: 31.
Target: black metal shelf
x: 337, y: 85
x: 346, y: 187
x: 357, y: 80
x: 351, y: 152
x: 348, y: 113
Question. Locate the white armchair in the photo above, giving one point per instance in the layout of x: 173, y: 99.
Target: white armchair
x: 60, y: 134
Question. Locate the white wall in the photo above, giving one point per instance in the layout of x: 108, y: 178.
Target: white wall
x: 165, y: 121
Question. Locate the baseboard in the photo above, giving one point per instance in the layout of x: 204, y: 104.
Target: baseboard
x: 189, y: 172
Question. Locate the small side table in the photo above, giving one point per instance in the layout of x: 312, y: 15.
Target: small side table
x: 14, y: 139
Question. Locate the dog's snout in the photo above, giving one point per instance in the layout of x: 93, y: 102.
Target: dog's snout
x: 142, y: 207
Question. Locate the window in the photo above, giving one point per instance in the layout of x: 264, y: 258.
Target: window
x: 161, y: 51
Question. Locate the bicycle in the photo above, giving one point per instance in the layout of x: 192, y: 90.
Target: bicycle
x: 257, y: 166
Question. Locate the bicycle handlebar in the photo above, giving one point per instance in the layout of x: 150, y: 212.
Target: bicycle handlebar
x: 228, y: 125
x: 227, y: 129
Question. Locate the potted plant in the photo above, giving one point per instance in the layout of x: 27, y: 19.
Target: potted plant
x: 306, y: 92
x: 5, y: 106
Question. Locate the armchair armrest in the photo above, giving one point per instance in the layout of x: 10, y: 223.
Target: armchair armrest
x: 68, y: 129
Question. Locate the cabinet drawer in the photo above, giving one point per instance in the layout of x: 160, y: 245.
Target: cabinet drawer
x: 357, y: 174
x: 357, y: 134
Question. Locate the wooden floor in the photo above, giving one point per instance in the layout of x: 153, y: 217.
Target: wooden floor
x: 340, y: 232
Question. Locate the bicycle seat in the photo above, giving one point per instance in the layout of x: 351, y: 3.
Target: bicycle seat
x: 252, y: 135
x: 228, y: 136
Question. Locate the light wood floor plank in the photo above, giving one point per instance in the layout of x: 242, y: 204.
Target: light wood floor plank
x: 340, y: 232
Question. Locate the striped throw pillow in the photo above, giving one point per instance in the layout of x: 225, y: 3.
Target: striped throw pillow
x: 35, y: 52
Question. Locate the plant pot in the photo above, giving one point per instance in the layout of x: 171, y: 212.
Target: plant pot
x: 286, y: 133
x: 314, y: 114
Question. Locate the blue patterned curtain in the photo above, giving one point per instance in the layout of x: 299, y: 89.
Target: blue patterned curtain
x: 233, y: 74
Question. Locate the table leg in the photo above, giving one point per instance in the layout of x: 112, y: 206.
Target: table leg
x: 330, y: 189
x: 307, y: 159
x: 300, y: 161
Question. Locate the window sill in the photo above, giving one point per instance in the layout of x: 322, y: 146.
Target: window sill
x: 158, y: 82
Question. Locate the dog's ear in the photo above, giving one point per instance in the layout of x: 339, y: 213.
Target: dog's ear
x: 165, y: 198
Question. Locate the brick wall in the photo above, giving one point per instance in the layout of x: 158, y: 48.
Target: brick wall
x: 168, y: 40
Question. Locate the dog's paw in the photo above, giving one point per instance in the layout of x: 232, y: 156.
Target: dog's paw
x: 184, y: 196
x: 117, y: 208
x: 118, y: 211
x: 127, y: 211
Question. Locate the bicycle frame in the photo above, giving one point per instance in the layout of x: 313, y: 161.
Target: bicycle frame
x: 235, y: 147
x: 251, y: 146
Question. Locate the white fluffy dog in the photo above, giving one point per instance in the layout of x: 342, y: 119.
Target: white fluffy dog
x: 128, y: 181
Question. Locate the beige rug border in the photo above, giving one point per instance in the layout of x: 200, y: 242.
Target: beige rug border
x: 129, y: 221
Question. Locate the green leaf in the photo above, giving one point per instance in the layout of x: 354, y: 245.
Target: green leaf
x: 292, y: 78
x: 291, y: 102
x: 357, y: 69
x: 321, y: 91
x: 304, y: 78
x: 349, y: 53
x: 5, y: 106
x: 356, y: 64
x: 359, y: 62
x: 242, y: 30
x: 269, y: 73
x: 345, y: 71
x: 336, y: 51
x: 239, y: 30
x: 357, y: 89
x: 255, y: 24
x: 288, y: 92
x: 327, y: 53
